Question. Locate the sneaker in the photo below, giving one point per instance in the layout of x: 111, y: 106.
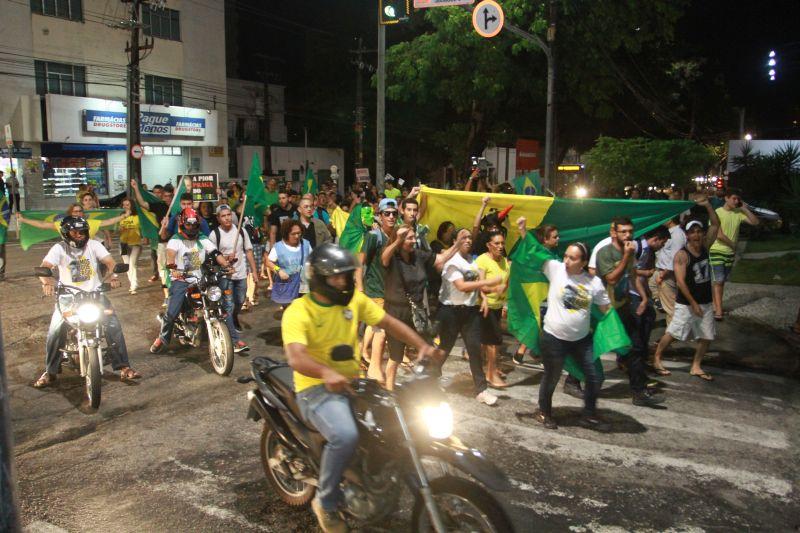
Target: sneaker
x: 132, y: 292
x: 646, y: 399
x: 328, y: 522
x: 595, y: 423
x: 518, y: 358
x: 546, y: 420
x: 240, y: 347
x: 573, y: 389
x: 157, y: 346
x: 486, y: 397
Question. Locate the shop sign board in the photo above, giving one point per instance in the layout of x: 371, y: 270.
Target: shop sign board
x: 216, y: 151
x: 151, y: 124
x: 204, y: 187
x: 420, y: 4
x: 18, y: 153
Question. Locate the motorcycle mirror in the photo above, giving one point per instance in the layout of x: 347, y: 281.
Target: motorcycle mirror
x: 43, y: 272
x: 244, y: 379
x: 121, y: 268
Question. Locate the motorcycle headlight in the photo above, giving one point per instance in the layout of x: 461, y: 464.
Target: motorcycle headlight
x: 214, y: 294
x: 439, y: 420
x: 88, y: 313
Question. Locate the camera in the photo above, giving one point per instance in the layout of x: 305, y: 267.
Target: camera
x: 481, y: 165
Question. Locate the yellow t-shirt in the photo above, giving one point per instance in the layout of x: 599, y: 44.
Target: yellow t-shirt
x: 322, y: 327
x: 392, y: 193
x: 94, y: 226
x: 494, y: 268
x: 129, y: 231
x: 729, y: 223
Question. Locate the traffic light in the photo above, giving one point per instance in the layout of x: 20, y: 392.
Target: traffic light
x: 394, y: 11
x: 720, y: 184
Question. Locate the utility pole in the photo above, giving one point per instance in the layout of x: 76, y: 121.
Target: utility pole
x: 133, y: 49
x: 358, y: 127
x: 380, y: 143
x: 266, y: 131
x: 551, y: 97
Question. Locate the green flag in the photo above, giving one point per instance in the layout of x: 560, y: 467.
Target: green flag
x: 358, y: 224
x: 5, y: 217
x: 30, y: 235
x: 148, y: 222
x: 530, y: 183
x: 310, y: 183
x: 179, y: 190
x: 257, y: 200
x: 527, y: 288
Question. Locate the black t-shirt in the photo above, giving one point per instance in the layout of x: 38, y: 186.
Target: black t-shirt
x: 279, y: 214
x: 159, y: 209
x: 698, y: 278
x: 414, y: 277
x: 310, y: 234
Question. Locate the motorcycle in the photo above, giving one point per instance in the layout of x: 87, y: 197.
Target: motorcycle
x: 202, y: 306
x: 401, y: 434
x: 83, y: 348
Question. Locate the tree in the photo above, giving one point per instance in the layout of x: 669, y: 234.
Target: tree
x: 482, y: 83
x: 615, y: 163
x: 771, y: 179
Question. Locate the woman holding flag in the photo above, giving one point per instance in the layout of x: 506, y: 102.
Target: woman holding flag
x: 567, y: 327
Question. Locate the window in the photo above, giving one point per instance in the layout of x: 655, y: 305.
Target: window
x: 60, y: 78
x: 162, y: 91
x: 65, y: 9
x: 161, y: 22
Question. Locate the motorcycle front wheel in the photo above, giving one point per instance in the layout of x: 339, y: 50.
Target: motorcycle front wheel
x: 275, y: 460
x: 220, y: 347
x: 94, y: 374
x: 464, y: 506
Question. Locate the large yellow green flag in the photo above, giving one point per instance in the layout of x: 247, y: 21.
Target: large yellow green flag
x: 30, y: 235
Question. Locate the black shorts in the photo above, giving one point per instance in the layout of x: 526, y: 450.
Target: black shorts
x: 397, y: 348
x: 491, y: 331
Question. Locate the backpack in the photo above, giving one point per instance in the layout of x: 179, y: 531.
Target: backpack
x: 218, y: 234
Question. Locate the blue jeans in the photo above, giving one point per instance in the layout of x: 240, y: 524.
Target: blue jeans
x: 554, y: 352
x: 330, y: 414
x: 232, y: 303
x: 177, y: 295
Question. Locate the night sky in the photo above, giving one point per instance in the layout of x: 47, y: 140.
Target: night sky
x: 313, y: 38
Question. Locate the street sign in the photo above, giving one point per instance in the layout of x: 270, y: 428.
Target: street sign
x: 9, y: 140
x: 362, y: 174
x: 488, y: 18
x: 421, y: 4
x: 17, y: 153
x: 137, y: 151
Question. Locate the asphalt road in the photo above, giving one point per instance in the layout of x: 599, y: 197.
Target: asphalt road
x: 174, y: 452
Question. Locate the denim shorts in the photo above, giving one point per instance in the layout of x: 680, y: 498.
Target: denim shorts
x: 720, y: 273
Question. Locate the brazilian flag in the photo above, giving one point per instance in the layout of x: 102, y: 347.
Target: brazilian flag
x: 5, y: 217
x: 530, y: 183
x: 310, y: 184
x: 30, y: 235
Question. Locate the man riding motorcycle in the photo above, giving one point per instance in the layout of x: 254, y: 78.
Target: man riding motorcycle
x: 320, y: 337
x: 78, y: 260
x: 186, y: 252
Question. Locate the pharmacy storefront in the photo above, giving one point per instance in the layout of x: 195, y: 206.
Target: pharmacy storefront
x: 85, y: 143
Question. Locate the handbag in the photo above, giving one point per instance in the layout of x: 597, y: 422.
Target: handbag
x: 420, y: 317
x: 286, y: 291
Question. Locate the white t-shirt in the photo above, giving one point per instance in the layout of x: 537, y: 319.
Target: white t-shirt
x: 78, y: 267
x: 569, y: 301
x: 226, y: 248
x: 190, y: 255
x: 599, y: 246
x: 455, y: 269
x: 666, y: 256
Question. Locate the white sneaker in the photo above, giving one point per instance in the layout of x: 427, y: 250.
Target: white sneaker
x: 486, y: 397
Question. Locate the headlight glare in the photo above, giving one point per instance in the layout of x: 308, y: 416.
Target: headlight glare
x: 89, y: 313
x: 214, y: 294
x: 439, y: 420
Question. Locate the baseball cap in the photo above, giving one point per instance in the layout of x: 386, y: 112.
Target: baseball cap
x: 222, y: 207
x: 387, y: 203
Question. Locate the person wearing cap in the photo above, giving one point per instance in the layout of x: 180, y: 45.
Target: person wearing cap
x: 369, y: 279
x: 390, y: 191
x: 239, y: 253
x: 694, y: 309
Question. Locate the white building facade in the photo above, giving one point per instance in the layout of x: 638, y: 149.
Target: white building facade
x: 63, y: 92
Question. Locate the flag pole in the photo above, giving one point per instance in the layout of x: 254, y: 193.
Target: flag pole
x: 241, y: 221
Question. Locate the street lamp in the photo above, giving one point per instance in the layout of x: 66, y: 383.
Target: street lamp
x: 748, y: 137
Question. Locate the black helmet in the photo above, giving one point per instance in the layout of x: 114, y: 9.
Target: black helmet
x: 328, y: 260
x: 70, y: 223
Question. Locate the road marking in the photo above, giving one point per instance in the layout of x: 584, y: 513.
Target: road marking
x: 563, y: 446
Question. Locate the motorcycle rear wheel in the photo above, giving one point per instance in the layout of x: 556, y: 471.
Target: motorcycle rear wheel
x: 220, y: 347
x: 463, y: 506
x: 292, y: 491
x: 94, y: 374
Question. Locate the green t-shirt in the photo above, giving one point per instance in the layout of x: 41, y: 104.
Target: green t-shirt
x: 372, y: 250
x: 729, y: 223
x: 607, y: 260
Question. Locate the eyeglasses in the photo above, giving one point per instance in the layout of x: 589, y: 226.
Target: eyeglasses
x: 389, y: 213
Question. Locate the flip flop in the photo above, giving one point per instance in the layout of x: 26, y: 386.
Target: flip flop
x: 128, y: 374
x: 719, y: 318
x: 661, y: 371
x: 702, y: 375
